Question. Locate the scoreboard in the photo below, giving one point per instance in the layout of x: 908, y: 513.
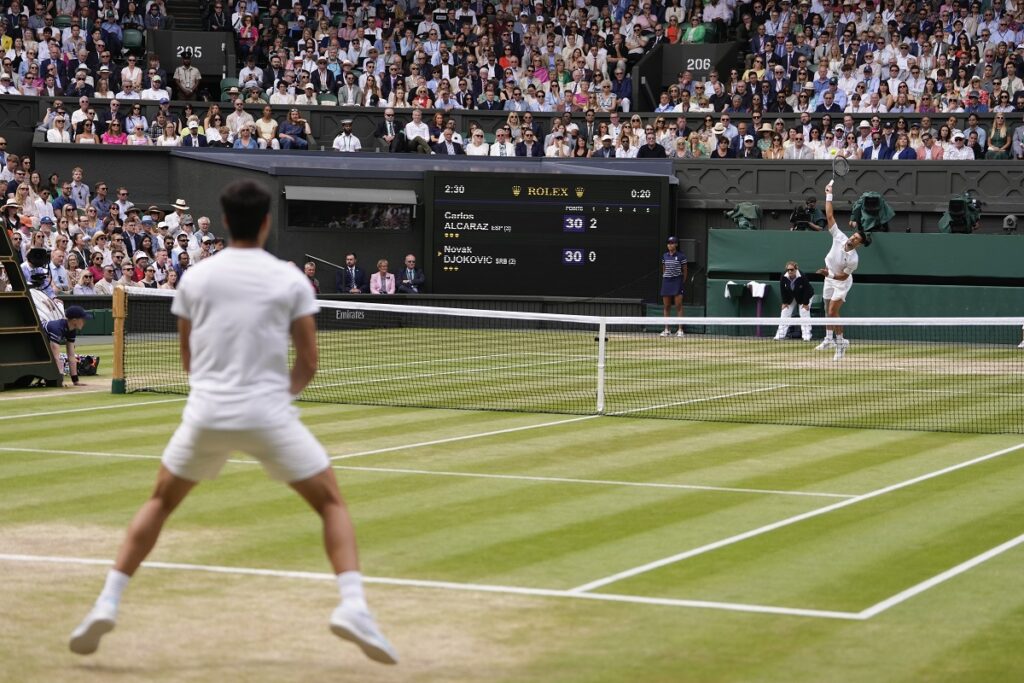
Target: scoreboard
x: 546, y: 235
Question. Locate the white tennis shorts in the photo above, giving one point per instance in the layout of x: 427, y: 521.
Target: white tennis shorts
x: 288, y: 453
x: 836, y: 289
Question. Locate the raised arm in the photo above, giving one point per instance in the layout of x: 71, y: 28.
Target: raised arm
x: 830, y: 217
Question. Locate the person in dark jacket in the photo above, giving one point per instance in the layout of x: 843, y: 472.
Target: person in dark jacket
x: 796, y: 291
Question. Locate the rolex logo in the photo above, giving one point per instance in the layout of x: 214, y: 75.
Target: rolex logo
x: 579, y: 192
x: 516, y: 189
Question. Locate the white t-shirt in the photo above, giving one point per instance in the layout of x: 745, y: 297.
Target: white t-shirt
x: 839, y: 260
x: 240, y: 337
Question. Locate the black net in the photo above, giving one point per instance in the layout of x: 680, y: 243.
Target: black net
x: 933, y: 375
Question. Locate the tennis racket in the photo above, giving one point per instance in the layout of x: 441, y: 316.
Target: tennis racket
x: 840, y: 167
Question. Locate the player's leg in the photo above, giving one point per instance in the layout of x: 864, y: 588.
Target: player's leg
x: 829, y: 341
x: 145, y: 527
x: 832, y: 311
x: 322, y: 494
x: 351, y: 620
x: 841, y: 343
x: 830, y: 292
x: 666, y: 310
x: 679, y: 312
x: 143, y: 533
x: 290, y: 453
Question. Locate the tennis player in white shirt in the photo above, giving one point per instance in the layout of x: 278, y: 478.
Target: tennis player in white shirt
x: 840, y: 263
x: 235, y: 348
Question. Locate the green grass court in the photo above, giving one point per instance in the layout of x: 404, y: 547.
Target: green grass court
x: 512, y: 546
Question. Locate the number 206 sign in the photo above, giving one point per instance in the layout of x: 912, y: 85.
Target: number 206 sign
x: 699, y: 60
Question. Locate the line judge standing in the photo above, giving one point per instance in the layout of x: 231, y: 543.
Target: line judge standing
x: 796, y: 291
x: 673, y: 278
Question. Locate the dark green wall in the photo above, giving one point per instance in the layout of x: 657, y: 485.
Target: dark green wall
x: 890, y: 254
x: 898, y: 275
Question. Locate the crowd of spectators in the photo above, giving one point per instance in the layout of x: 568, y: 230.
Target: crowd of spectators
x: 825, y: 58
x: 96, y: 236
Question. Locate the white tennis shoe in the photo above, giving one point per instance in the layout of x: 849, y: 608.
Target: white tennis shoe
x: 825, y: 345
x: 841, y: 347
x: 680, y: 334
x: 1021, y: 345
x: 666, y: 333
x: 357, y: 626
x: 101, y: 619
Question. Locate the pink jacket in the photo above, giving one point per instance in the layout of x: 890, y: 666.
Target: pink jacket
x: 388, y: 286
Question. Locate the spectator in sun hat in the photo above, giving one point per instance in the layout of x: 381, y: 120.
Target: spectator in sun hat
x: 141, y: 261
x: 173, y: 220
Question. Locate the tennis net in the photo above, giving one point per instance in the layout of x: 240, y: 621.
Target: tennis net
x: 941, y: 374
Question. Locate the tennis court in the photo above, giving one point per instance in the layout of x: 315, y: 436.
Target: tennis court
x: 514, y: 546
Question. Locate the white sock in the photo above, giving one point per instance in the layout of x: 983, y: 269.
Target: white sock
x: 828, y: 334
x: 114, y: 586
x: 839, y: 336
x: 351, y: 586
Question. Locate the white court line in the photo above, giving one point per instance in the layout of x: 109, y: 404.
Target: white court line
x: 665, y: 561
x: 698, y: 400
x: 464, y: 437
x: 113, y: 406
x: 903, y: 596
x: 480, y: 435
x: 448, y: 585
x: 605, y: 482
x: 468, y: 475
x: 49, y: 394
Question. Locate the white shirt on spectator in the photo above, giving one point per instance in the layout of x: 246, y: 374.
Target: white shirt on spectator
x: 152, y: 93
x: 414, y: 130
x: 347, y: 142
x: 955, y: 153
x: 508, y: 147
x: 54, y: 135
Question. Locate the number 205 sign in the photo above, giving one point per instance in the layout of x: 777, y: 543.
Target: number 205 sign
x: 213, y: 53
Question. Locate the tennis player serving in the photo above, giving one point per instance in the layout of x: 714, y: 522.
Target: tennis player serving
x: 234, y: 344
x: 840, y: 262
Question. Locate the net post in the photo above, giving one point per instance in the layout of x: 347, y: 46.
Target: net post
x: 602, y: 329
x: 117, y: 385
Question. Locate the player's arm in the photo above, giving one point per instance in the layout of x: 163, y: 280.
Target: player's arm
x: 184, y: 332
x: 304, y: 340
x: 686, y: 271
x: 830, y: 217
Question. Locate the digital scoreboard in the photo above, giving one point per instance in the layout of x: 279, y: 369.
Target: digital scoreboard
x: 546, y: 235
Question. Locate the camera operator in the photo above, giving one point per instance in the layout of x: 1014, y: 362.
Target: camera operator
x: 808, y: 216
x: 36, y: 271
x: 65, y: 331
